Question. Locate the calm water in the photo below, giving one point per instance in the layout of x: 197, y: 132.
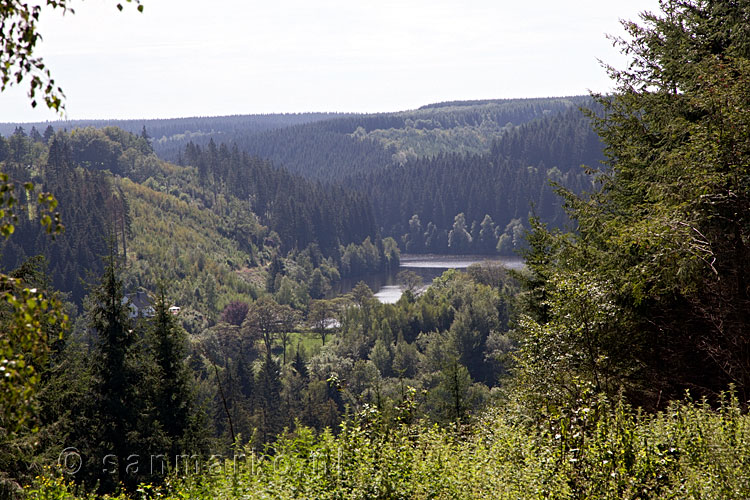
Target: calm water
x: 429, y: 267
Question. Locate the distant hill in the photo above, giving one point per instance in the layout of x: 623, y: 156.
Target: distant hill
x: 330, y: 146
x: 337, y: 147
x: 172, y: 134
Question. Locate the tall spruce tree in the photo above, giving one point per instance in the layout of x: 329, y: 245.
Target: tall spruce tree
x: 173, y: 384
x: 118, y: 409
x: 269, y: 399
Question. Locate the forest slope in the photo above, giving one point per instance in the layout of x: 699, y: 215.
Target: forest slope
x: 479, y: 203
x: 214, y: 223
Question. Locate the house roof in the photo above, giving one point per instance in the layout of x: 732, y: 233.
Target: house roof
x: 140, y: 299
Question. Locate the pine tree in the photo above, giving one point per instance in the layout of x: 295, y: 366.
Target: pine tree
x: 268, y: 396
x: 173, y: 383
x: 118, y: 409
x: 49, y: 132
x: 299, y: 364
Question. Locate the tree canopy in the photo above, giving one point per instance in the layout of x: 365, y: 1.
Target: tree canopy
x: 651, y: 293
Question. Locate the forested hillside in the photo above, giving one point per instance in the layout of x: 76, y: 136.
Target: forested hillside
x: 330, y: 146
x: 491, y: 161
x: 214, y: 222
x: 461, y: 168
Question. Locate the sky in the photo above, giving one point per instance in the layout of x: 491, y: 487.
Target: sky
x: 223, y: 57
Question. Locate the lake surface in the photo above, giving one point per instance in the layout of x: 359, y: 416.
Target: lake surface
x: 429, y: 267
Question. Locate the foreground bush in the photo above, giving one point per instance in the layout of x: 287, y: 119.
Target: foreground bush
x: 596, y: 450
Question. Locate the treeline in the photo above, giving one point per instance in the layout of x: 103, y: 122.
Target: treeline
x: 518, y: 103
x: 309, y: 274
x: 446, y: 202
x: 336, y: 148
x: 471, y: 173
x: 456, y: 114
x: 329, y: 146
x: 171, y: 135
x: 565, y: 140
x: 316, y: 152
x: 316, y: 144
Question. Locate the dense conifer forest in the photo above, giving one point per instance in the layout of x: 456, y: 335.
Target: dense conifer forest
x: 175, y: 323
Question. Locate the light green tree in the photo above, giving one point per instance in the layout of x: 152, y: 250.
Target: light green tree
x: 320, y: 314
x: 27, y: 316
x: 459, y: 239
x: 263, y: 321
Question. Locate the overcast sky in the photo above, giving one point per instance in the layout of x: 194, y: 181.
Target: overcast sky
x: 220, y: 57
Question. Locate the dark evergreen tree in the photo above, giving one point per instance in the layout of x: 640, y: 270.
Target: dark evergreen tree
x: 35, y: 136
x: 268, y: 399
x: 173, y: 383
x: 4, y: 152
x: 48, y: 133
x: 118, y: 406
x: 650, y: 295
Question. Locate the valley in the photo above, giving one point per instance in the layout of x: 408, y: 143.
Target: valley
x: 540, y: 297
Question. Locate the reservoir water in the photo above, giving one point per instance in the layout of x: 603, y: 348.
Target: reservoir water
x: 428, y: 267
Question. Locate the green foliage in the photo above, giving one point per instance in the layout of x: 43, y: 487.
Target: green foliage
x: 301, y: 212
x: 46, y: 204
x: 459, y: 239
x: 166, y: 228
x: 119, y: 406
x: 172, y: 382
x: 30, y: 319
x: 495, y: 188
x: 203, y: 224
x: 319, y: 317
x: 649, y: 295
x: 264, y: 321
x: 428, y: 138
x: 595, y: 449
